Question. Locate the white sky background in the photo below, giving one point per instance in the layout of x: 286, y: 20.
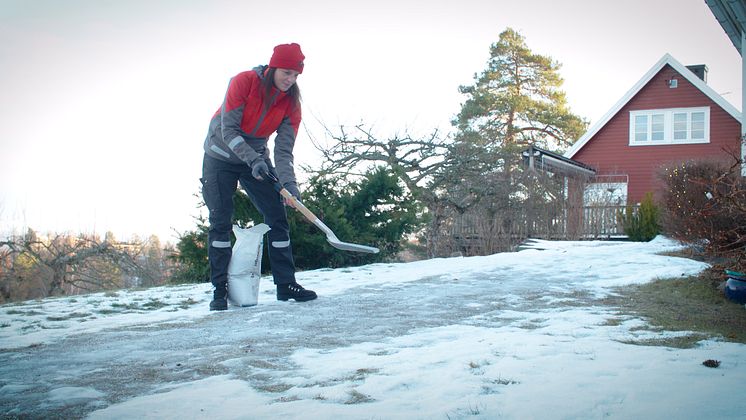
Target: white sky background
x: 104, y: 105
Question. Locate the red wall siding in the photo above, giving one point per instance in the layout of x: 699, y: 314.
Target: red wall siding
x: 609, y: 151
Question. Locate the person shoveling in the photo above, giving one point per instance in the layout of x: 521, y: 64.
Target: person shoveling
x: 258, y: 103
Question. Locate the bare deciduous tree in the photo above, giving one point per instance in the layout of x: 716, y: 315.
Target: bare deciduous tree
x: 705, y: 203
x: 416, y: 161
x: 425, y: 165
x: 64, y: 264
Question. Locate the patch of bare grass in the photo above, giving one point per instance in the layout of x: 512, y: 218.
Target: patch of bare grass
x: 69, y: 316
x: 694, y: 303
x: 680, y: 342
x: 357, y: 397
x: 275, y: 388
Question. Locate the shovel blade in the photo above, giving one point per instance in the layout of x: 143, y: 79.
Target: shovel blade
x: 346, y: 246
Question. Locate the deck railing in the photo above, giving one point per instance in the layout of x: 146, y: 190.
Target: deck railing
x: 477, y: 234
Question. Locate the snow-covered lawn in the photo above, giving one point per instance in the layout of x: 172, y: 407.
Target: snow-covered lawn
x: 515, y: 335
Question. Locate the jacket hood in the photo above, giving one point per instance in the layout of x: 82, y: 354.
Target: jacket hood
x: 261, y: 71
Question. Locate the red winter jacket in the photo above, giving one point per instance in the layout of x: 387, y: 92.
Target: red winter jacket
x: 240, y: 129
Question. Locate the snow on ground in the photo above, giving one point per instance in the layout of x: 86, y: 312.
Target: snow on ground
x: 515, y: 335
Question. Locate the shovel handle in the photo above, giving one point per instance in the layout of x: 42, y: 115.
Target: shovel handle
x: 330, y: 236
x: 289, y: 197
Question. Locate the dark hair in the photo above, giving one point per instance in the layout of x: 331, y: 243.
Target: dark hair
x: 268, y: 83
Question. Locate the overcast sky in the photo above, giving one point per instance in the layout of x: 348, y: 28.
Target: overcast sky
x: 104, y: 104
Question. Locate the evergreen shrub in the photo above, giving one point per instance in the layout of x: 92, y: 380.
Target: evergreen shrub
x: 641, y: 225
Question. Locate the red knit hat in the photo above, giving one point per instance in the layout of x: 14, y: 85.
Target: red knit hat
x: 287, y: 56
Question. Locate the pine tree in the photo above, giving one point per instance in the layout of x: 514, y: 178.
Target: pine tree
x: 517, y: 100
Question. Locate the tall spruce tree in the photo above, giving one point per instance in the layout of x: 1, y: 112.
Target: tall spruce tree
x: 517, y: 100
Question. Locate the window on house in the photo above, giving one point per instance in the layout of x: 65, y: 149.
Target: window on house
x: 657, y: 126
x: 669, y: 126
x: 641, y: 128
x: 698, y: 125
x: 679, y: 126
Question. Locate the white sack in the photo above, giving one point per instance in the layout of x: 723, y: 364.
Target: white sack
x: 245, y: 267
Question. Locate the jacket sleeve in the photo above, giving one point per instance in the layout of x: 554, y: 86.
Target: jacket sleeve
x: 284, y: 144
x: 231, y: 113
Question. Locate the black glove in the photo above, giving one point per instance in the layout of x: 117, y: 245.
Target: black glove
x: 259, y: 167
x: 292, y: 188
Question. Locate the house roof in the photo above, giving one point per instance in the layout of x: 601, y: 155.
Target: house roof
x: 732, y: 17
x: 685, y: 72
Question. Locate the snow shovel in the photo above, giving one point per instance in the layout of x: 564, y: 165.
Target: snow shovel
x: 330, y: 236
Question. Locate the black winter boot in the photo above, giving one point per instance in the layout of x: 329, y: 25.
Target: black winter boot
x: 294, y: 291
x: 219, y: 302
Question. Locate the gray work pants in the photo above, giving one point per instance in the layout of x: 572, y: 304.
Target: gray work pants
x: 219, y: 182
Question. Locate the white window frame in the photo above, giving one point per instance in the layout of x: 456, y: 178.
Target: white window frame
x: 668, y: 126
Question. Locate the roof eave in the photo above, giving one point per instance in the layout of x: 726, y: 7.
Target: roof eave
x: 569, y: 167
x: 732, y: 18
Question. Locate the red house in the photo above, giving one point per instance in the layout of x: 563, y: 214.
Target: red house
x: 669, y: 116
